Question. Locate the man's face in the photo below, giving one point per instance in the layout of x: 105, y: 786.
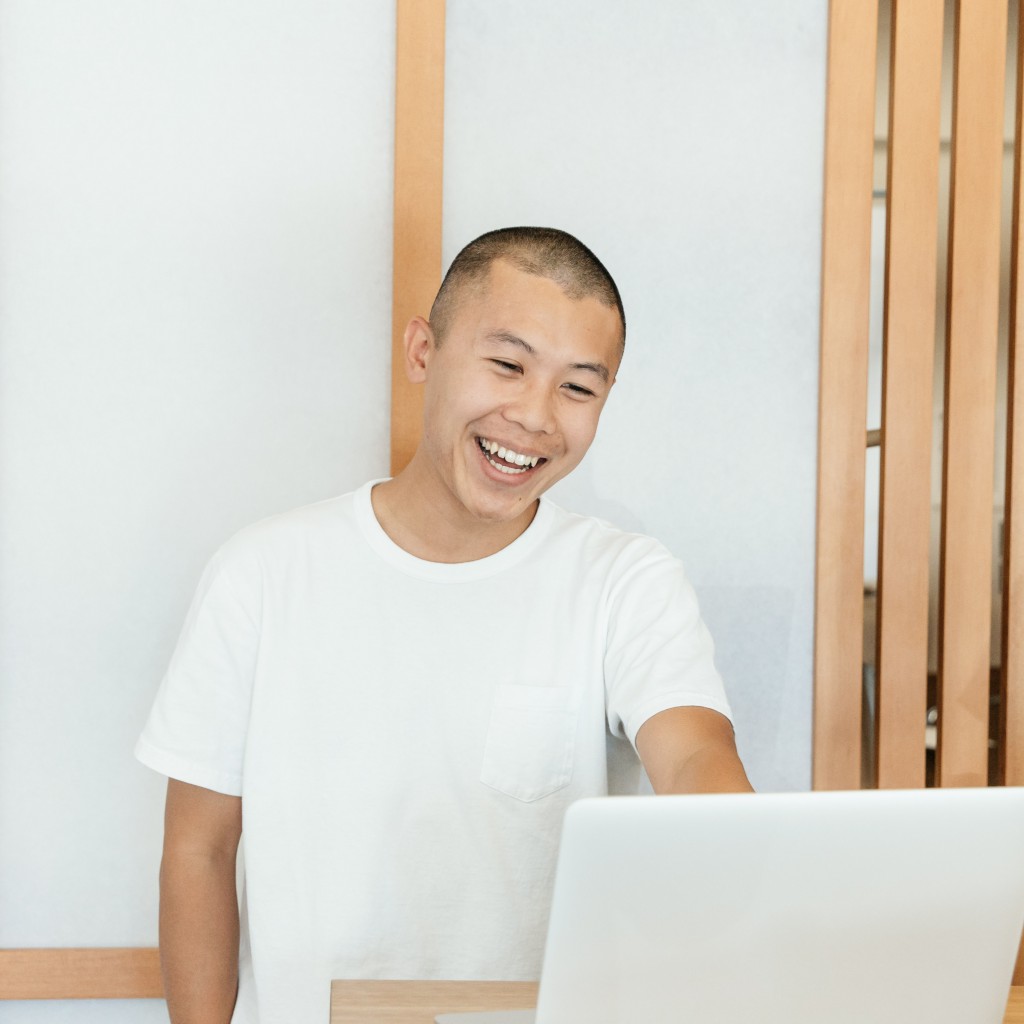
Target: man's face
x: 514, y: 392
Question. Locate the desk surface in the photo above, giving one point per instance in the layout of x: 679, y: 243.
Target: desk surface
x: 417, y: 1002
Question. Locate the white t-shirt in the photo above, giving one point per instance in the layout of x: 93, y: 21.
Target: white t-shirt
x: 406, y: 735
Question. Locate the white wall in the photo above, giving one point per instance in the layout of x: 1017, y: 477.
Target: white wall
x: 195, y: 266
x: 195, y: 271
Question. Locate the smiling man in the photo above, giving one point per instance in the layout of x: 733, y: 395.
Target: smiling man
x: 390, y: 698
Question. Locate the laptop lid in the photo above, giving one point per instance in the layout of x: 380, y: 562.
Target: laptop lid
x: 881, y: 906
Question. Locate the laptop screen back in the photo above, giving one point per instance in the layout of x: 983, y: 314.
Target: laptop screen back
x: 881, y: 906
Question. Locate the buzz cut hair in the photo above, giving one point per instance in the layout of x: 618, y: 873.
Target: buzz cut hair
x: 544, y: 252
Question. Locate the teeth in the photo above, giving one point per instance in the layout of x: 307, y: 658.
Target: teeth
x: 523, y: 462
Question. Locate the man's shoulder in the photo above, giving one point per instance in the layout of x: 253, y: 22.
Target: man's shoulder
x: 306, y: 527
x: 603, y: 541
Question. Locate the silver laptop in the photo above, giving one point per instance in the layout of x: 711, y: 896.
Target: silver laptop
x: 888, y: 907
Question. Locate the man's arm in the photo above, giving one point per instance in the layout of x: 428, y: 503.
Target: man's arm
x: 691, y: 750
x: 199, y: 904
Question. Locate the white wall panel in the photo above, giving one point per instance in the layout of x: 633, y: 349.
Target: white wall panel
x: 195, y: 267
x: 682, y: 141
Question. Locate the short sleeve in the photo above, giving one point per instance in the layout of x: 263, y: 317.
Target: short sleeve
x: 659, y: 653
x: 197, y: 727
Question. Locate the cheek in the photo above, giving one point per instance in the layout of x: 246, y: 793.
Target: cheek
x: 581, y: 429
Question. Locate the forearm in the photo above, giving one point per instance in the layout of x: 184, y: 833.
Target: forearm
x: 199, y: 937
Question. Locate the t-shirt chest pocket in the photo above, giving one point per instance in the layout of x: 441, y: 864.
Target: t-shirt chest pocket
x: 531, y: 739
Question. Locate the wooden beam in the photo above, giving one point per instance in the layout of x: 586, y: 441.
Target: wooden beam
x: 845, y: 288
x: 419, y: 160
x: 80, y: 974
x: 972, y: 325
x: 910, y: 284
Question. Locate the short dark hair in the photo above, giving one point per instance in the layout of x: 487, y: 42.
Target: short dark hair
x: 545, y: 252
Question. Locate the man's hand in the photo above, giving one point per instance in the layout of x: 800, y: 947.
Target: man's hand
x: 199, y: 905
x: 691, y: 750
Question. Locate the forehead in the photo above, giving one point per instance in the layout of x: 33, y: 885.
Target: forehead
x: 536, y: 309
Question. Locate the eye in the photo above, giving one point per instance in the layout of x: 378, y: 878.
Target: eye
x: 578, y: 391
x: 506, y: 366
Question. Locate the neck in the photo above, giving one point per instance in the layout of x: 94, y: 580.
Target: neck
x: 425, y: 520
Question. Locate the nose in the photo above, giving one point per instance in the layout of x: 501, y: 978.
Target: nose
x: 533, y: 409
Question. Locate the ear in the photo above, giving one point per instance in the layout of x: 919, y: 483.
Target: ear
x: 419, y: 347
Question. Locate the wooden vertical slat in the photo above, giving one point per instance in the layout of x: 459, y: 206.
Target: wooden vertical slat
x: 132, y: 973
x: 1012, y: 679
x: 972, y: 323
x: 846, y: 265
x: 419, y: 159
x: 1011, y: 703
x: 910, y: 284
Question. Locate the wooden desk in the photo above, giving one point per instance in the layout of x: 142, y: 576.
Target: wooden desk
x: 417, y: 1002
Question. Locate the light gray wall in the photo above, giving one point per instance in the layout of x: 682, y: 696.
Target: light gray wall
x: 195, y: 271
x: 195, y: 266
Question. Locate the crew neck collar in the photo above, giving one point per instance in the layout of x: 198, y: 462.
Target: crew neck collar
x: 447, y: 572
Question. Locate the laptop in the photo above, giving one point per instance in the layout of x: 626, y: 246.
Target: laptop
x: 888, y: 907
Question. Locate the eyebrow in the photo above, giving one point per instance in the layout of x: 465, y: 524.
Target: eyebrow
x: 508, y: 338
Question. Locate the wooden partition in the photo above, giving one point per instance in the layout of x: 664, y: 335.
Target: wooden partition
x: 969, y: 442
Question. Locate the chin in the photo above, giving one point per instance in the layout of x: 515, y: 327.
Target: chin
x: 501, y: 511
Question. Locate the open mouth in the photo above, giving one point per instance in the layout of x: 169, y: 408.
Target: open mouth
x: 506, y: 460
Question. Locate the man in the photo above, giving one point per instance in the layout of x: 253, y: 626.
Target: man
x: 399, y: 691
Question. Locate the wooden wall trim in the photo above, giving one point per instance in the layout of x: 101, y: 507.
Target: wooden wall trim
x: 80, y: 974
x: 845, y: 288
x: 912, y: 197
x: 419, y: 160
x: 972, y: 326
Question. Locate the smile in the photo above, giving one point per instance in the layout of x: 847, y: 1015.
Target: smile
x: 504, y: 459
